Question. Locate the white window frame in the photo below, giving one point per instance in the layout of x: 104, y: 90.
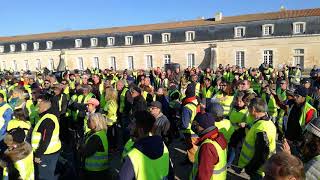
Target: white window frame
x: 294, y: 25
x: 297, y: 55
x: 51, y: 64
x: 236, y: 35
x: 78, y: 43
x: 49, y: 44
x: 12, y: 48
x: 149, y: 61
x: 191, y: 60
x: 167, y: 59
x: 94, y: 42
x: 1, y: 49
x: 110, y: 41
x: 113, y: 62
x: 266, y: 56
x: 128, y: 40
x: 80, y: 63
x: 38, y: 64
x: 147, y: 40
x: 24, y: 46
x: 264, y: 32
x: 36, y: 46
x: 238, y: 58
x: 130, y: 63
x: 96, y: 63
x: 190, y: 35
x: 26, y: 65
x: 166, y: 37
x: 15, y: 65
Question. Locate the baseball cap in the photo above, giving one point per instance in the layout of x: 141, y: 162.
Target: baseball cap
x: 156, y: 104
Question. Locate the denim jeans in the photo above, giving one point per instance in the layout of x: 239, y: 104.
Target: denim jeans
x: 46, y: 169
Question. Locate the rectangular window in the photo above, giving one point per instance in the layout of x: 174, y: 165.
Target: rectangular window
x: 113, y: 63
x: 49, y: 44
x: 23, y: 46
x: 166, y: 37
x: 38, y: 64
x: 191, y: 60
x: 167, y: 59
x: 26, y: 65
x: 51, y: 64
x: 94, y: 42
x: 298, y: 57
x: 130, y: 63
x: 299, y: 27
x: 239, y: 32
x: 268, y: 57
x: 267, y: 29
x: 80, y: 63
x: 190, y: 35
x: 35, y: 46
x: 14, y: 65
x: 96, y: 62
x: 240, y: 58
x: 78, y: 43
x: 147, y: 38
x: 149, y: 61
x: 12, y: 48
x: 110, y: 41
x: 129, y: 40
x: 1, y: 49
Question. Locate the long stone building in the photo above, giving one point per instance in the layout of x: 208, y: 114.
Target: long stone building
x: 284, y: 37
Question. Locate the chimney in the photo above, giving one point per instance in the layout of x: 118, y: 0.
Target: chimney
x: 282, y: 8
x: 218, y: 16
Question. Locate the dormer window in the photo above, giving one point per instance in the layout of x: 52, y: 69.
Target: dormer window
x: 78, y: 43
x: 147, y: 38
x: 128, y: 40
x: 23, y: 46
x: 190, y: 35
x: 94, y: 42
x: 35, y: 46
x: 12, y: 48
x: 166, y: 37
x: 1, y: 49
x: 110, y: 41
x: 299, y: 27
x: 239, y: 32
x: 267, y: 29
x: 49, y: 44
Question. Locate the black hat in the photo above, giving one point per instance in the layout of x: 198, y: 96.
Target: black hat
x: 313, y: 127
x: 301, y: 91
x: 18, y: 135
x: 156, y: 104
x: 136, y: 88
x: 191, y: 90
x: 205, y: 120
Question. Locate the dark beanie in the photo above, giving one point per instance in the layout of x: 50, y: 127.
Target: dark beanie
x: 18, y: 135
x: 191, y: 90
x: 205, y: 120
x: 302, y: 91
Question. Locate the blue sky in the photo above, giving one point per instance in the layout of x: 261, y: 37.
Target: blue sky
x: 38, y: 16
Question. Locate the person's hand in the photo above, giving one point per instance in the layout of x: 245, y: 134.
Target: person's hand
x: 285, y: 146
x: 37, y: 160
x: 242, y: 125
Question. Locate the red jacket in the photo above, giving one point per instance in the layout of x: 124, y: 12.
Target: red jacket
x: 208, y: 156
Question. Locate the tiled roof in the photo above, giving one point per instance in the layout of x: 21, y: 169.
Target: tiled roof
x: 170, y: 25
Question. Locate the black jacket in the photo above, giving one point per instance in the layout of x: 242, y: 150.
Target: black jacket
x: 139, y: 104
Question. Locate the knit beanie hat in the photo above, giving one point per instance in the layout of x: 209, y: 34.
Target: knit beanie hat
x: 18, y: 135
x: 314, y: 127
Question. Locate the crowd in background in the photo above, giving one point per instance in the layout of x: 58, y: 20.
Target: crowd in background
x: 68, y: 124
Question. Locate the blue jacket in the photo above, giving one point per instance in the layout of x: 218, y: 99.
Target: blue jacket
x: 7, y: 116
x: 152, y: 147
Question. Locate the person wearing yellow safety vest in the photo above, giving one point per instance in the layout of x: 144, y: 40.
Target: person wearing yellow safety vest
x: 207, y: 90
x: 194, y: 79
x: 267, y: 96
x: 98, y: 87
x: 300, y: 113
x: 18, y: 155
x: 225, y: 97
x: 94, y: 153
x: 281, y: 93
x: 211, y: 157
x: 190, y: 108
x: 260, y: 141
x: 45, y: 140
x: 92, y: 106
x: 295, y: 76
x: 162, y: 81
x: 20, y: 120
x: 6, y: 113
x: 149, y: 158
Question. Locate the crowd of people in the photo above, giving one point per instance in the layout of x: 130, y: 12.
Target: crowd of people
x: 262, y: 121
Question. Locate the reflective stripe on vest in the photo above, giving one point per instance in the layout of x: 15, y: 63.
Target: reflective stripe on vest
x: 220, y: 169
x: 248, y: 149
x: 122, y: 99
x: 226, y: 103
x: 99, y: 160
x: 25, y: 167
x: 146, y: 168
x: 55, y: 143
